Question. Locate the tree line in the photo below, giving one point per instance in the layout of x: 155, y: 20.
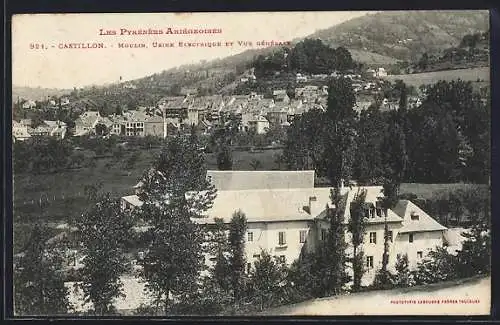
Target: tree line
x: 445, y: 140
x: 309, y: 56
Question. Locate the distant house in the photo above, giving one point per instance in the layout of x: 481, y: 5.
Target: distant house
x: 26, y: 122
x: 280, y: 95
x: 138, y: 123
x: 29, y: 104
x: 381, y: 73
x: 56, y: 129
x: 300, y: 78
x: 64, y: 101
x: 259, y: 125
x: 86, y: 123
x: 277, y: 114
x: 175, y: 107
x: 19, y: 131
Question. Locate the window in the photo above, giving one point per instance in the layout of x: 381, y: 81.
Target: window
x: 379, y: 212
x: 414, y: 217
x: 369, y: 262
x: 282, y: 259
x: 419, y: 255
x: 410, y: 238
x: 281, y: 238
x: 323, y: 234
x: 389, y: 236
x: 303, y: 234
x: 250, y: 236
x: 373, y: 238
x: 372, y: 212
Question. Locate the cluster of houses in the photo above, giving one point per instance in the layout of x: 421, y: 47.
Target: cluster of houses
x: 286, y: 217
x: 24, y: 129
x: 256, y: 113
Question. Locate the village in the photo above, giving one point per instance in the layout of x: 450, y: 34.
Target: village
x: 255, y: 112
x: 296, y: 174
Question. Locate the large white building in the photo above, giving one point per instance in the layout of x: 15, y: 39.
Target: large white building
x: 286, y: 216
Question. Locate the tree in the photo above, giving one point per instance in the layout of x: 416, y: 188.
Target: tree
x: 475, y: 256
x: 255, y: 164
x: 402, y: 277
x: 39, y: 278
x: 224, y: 158
x: 369, y: 167
x: 356, y: 226
x: 267, y: 281
x: 438, y: 266
x: 343, y: 59
x: 423, y: 62
x: 339, y: 140
x: 101, y: 129
x: 102, y: 233
x: 175, y: 193
x: 335, y: 246
x: 237, y: 232
x: 304, y: 145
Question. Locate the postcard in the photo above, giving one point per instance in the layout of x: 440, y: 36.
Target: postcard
x: 251, y: 163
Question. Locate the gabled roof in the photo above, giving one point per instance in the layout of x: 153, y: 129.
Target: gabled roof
x: 246, y: 180
x: 87, y: 118
x: 406, y: 209
x: 268, y: 205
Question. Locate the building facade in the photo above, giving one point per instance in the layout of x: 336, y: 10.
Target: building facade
x: 286, y: 216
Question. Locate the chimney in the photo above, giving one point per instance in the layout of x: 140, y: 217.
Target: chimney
x: 314, y: 206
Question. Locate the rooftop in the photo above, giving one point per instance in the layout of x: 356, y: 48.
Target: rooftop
x: 246, y: 180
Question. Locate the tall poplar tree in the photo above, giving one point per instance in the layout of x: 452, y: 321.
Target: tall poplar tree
x: 175, y: 193
x: 237, y: 232
x: 356, y: 226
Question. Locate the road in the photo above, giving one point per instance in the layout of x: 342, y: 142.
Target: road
x: 470, y: 297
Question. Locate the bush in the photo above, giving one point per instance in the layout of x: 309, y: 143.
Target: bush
x: 438, y: 266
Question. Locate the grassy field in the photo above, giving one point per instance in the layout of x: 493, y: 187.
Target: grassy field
x: 418, y: 79
x: 427, y: 191
x: 371, y: 58
x: 64, y: 192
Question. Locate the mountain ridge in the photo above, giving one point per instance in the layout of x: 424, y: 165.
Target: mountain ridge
x: 380, y: 38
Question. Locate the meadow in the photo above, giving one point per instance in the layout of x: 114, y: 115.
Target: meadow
x: 418, y: 79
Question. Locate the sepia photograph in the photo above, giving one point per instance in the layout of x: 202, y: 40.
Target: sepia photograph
x: 331, y: 163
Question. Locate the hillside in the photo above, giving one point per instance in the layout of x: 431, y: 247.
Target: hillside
x: 36, y: 93
x: 377, y: 39
x: 405, y: 35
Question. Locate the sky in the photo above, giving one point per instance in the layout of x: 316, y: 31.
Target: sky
x: 65, y: 68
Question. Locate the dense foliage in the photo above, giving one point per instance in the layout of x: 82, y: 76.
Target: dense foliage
x: 443, y: 141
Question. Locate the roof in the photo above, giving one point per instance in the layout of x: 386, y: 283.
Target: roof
x: 174, y: 102
x: 246, y: 180
x: 140, y: 116
x: 132, y: 199
x: 405, y: 209
x: 87, y: 118
x: 267, y: 205
x: 373, y: 193
x: 54, y: 124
